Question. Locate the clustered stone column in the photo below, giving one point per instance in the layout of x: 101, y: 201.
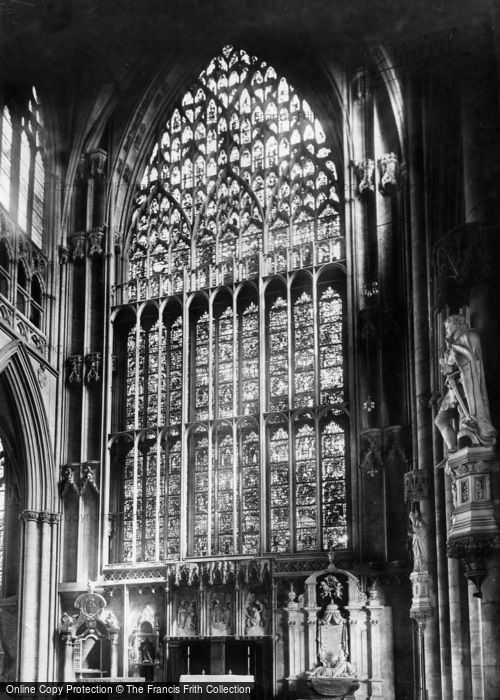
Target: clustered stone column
x: 37, y: 604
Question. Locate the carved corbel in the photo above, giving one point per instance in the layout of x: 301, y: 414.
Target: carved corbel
x: 416, y: 485
x: 89, y: 482
x: 63, y: 255
x: 68, y: 481
x: 365, y: 175
x: 96, y: 241
x: 77, y: 244
x: 75, y: 363
x: 473, y: 553
x: 93, y: 361
x: 388, y: 166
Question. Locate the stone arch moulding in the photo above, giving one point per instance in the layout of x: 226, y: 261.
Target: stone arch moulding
x: 40, y: 490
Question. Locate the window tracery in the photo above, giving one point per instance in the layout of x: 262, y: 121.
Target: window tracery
x: 240, y: 186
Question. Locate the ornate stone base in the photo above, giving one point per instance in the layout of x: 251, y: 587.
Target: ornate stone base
x: 474, y: 531
x: 328, y: 688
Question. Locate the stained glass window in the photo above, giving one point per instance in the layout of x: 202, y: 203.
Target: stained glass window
x: 223, y: 494
x: 235, y: 157
x: 248, y: 351
x: 225, y: 364
x: 249, y: 474
x: 201, y: 373
x: 306, y: 526
x: 236, y: 218
x: 201, y: 493
x: 5, y: 157
x: 304, y: 350
x: 172, y: 513
x: 333, y: 473
x: 172, y: 371
x: 279, y: 489
x: 278, y: 354
x: 331, y: 347
x: 22, y: 165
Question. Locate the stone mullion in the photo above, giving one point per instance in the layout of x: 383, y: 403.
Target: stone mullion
x: 263, y: 398
x: 185, y: 541
x: 212, y: 385
x: 290, y: 426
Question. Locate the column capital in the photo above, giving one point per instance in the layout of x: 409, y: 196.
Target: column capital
x: 40, y: 517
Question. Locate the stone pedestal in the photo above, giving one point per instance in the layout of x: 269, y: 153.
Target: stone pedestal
x: 474, y: 533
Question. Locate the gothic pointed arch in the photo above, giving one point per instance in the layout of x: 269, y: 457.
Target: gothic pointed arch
x: 25, y: 399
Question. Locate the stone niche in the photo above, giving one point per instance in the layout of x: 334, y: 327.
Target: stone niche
x: 336, y: 639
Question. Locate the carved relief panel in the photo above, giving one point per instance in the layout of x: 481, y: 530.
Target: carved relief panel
x: 185, y: 613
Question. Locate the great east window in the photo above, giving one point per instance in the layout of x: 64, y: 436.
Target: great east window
x: 230, y: 430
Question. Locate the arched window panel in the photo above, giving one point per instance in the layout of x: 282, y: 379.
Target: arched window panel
x: 144, y: 501
x: 172, y: 456
x: 22, y: 168
x: 248, y: 351
x: 249, y: 487
x: 200, y: 351
x: 304, y: 356
x: 333, y: 478
x: 279, y: 488
x: 239, y: 126
x: 225, y: 363
x: 132, y: 368
x: 38, y: 199
x: 172, y: 367
x: 5, y: 158
x: 277, y: 339
x: 200, y: 506
x: 306, y: 488
x: 24, y: 180
x: 143, y: 381
x: 224, y: 526
x: 331, y: 353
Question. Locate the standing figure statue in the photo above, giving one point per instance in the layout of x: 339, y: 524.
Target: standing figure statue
x: 462, y: 366
x: 418, y: 539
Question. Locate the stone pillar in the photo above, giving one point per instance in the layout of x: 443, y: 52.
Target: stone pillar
x: 35, y: 596
x: 490, y: 627
x: 45, y: 521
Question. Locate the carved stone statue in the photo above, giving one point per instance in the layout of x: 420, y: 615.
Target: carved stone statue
x: 255, y: 616
x: 418, y: 539
x: 338, y: 668
x: 466, y: 394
